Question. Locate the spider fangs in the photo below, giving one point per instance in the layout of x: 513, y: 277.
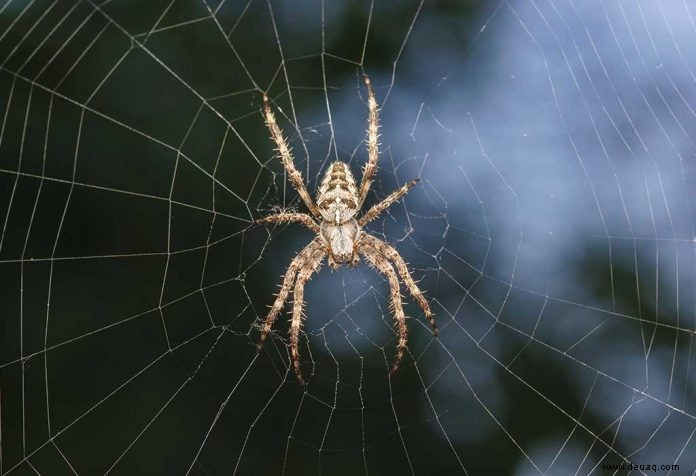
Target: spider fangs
x: 340, y: 235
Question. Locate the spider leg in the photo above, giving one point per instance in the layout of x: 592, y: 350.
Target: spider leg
x: 372, y: 146
x: 378, y: 208
x: 303, y: 218
x: 391, y: 254
x: 311, y: 266
x: 297, y: 263
x: 380, y: 262
x: 285, y: 155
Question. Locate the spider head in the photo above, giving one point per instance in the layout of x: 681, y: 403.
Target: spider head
x: 340, y: 240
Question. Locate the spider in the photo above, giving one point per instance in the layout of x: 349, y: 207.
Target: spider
x: 340, y: 234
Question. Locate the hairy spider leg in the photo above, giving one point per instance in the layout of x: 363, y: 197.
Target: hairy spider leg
x: 293, y: 174
x: 309, y: 268
x: 393, y: 197
x: 297, y: 263
x: 402, y: 268
x: 303, y: 218
x: 370, y: 168
x: 397, y: 308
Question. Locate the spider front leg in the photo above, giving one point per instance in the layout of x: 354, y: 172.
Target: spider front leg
x: 295, y: 266
x: 382, y: 264
x: 303, y: 218
x: 375, y: 211
x: 392, y: 255
x: 310, y: 267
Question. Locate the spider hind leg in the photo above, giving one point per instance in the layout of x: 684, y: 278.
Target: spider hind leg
x: 370, y: 168
x: 286, y: 157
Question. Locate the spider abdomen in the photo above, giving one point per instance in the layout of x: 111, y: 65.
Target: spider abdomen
x: 337, y: 197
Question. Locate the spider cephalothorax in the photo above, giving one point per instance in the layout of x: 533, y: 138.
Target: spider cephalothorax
x: 340, y: 235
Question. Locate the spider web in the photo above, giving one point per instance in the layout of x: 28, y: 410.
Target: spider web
x: 553, y: 232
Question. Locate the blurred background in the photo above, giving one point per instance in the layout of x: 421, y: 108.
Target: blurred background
x: 552, y: 231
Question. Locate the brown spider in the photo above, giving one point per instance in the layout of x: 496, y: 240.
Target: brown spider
x: 340, y: 235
